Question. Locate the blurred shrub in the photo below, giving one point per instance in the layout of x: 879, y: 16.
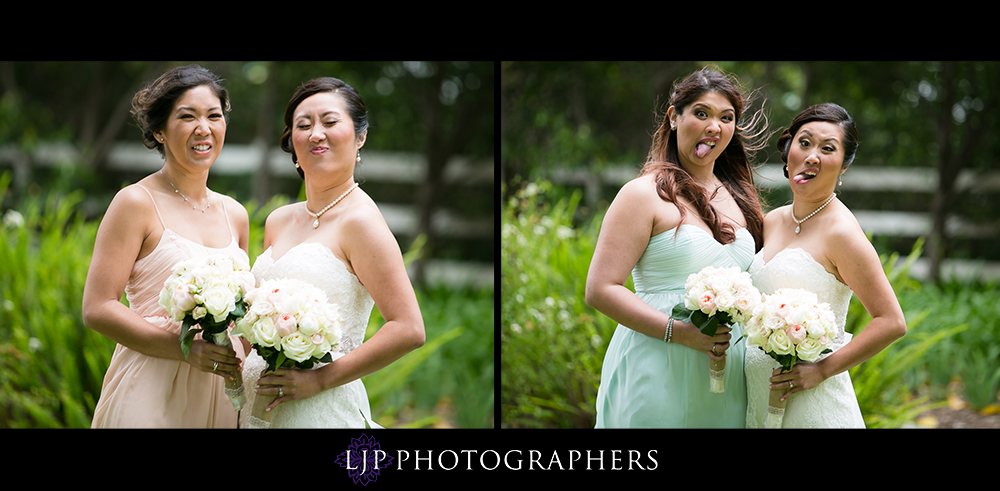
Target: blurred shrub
x: 552, y: 342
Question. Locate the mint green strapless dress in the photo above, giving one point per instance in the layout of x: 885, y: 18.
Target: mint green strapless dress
x: 646, y: 383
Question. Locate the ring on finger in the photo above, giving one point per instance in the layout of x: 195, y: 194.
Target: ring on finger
x: 281, y: 391
x: 215, y: 366
x: 790, y: 385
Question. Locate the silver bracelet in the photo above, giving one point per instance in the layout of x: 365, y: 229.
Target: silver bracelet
x: 669, y: 333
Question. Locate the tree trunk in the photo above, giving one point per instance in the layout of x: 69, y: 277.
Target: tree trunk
x: 436, y: 157
x: 95, y: 152
x: 265, y: 141
x: 951, y: 162
x: 947, y: 170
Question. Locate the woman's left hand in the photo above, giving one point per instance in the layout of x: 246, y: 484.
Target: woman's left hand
x: 289, y: 385
x: 802, y: 376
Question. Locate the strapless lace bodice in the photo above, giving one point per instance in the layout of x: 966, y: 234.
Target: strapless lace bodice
x: 833, y: 403
x: 313, y: 263
x: 345, y: 406
x: 796, y: 268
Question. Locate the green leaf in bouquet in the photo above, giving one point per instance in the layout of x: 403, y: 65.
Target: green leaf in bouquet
x: 239, y: 311
x: 681, y: 313
x: 187, y: 335
x: 707, y: 324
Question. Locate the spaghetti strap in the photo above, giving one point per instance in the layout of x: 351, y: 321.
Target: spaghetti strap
x: 154, y: 205
x: 224, y: 212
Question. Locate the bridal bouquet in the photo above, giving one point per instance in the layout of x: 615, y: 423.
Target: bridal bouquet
x: 713, y: 296
x: 790, y: 325
x: 291, y: 324
x: 208, y: 292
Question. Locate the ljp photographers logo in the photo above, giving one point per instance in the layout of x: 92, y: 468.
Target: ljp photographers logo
x: 364, y: 459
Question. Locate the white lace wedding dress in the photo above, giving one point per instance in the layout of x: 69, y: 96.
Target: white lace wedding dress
x: 340, y: 407
x: 833, y: 403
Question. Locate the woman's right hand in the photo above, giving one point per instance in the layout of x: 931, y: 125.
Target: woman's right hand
x: 714, y: 346
x: 213, y: 358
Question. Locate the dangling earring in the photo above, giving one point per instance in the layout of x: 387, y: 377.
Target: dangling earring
x: 358, y: 159
x: 673, y: 128
x: 785, y: 170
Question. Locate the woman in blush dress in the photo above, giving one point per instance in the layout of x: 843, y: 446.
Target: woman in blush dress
x: 337, y: 241
x: 166, y: 217
x: 693, y: 205
x: 816, y: 244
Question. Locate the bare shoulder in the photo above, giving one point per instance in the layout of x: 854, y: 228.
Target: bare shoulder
x: 369, y: 246
x: 362, y: 222
x: 236, y: 210
x: 639, y: 202
x: 846, y: 240
x: 132, y: 204
x: 280, y: 215
x: 775, y: 216
x: 642, y: 188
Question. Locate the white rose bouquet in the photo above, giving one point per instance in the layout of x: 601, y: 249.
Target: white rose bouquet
x: 208, y: 292
x: 790, y: 325
x: 291, y: 324
x: 713, y: 296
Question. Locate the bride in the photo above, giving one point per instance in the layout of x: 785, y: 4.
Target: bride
x: 338, y: 241
x: 816, y: 244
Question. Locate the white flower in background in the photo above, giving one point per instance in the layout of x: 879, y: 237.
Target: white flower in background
x: 13, y: 219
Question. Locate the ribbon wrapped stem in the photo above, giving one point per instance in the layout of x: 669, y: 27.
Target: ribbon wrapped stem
x: 234, y: 388
x: 716, y: 373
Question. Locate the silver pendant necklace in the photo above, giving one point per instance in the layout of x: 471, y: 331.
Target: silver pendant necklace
x: 315, y: 223
x: 208, y: 202
x: 798, y: 222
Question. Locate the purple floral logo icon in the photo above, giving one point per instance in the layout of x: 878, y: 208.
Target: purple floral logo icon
x: 364, y: 459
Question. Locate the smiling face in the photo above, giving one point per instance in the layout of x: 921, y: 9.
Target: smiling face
x: 195, y: 129
x: 323, y: 135
x: 704, y: 129
x: 815, y: 159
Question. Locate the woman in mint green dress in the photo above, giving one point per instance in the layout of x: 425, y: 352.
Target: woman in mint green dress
x: 693, y: 205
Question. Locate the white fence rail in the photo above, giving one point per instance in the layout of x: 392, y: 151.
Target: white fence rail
x: 888, y: 222
x: 376, y: 167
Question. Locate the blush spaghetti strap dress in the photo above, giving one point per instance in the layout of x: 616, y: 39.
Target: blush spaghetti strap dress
x: 142, y: 391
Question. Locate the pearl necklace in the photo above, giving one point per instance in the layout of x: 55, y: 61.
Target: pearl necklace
x: 316, y: 215
x: 208, y: 202
x: 798, y: 222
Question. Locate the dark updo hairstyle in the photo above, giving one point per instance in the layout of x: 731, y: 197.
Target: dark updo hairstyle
x: 732, y: 167
x: 827, y: 112
x: 152, y: 106
x: 352, y: 101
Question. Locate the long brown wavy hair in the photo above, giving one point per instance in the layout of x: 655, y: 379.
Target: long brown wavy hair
x: 732, y: 167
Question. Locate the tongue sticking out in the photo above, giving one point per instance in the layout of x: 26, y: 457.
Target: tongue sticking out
x: 702, y: 149
x: 804, y: 177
